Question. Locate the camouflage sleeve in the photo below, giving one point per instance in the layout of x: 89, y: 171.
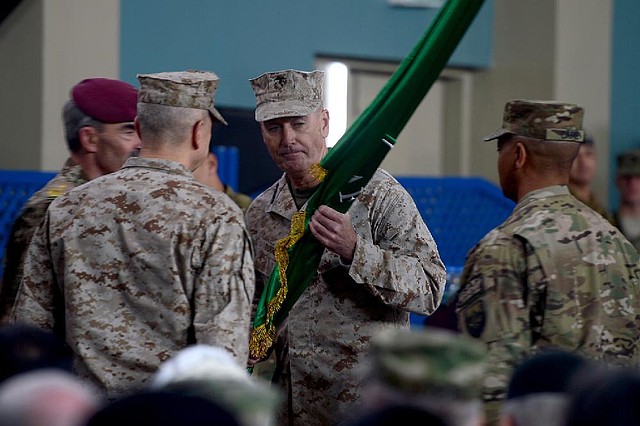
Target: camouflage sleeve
x: 491, y: 307
x: 22, y: 231
x: 396, y: 256
x: 36, y: 297
x: 224, y: 291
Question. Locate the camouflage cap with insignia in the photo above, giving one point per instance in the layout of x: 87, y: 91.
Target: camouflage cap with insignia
x: 185, y: 89
x: 433, y: 361
x: 287, y: 93
x: 548, y: 120
x: 629, y: 163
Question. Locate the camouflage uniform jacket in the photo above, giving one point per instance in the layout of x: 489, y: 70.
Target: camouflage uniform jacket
x: 555, y: 273
x: 597, y: 206
x: 25, y: 226
x: 134, y: 266
x: 396, y: 268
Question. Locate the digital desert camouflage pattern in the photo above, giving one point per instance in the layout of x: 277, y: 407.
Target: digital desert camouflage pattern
x: 184, y: 89
x: 554, y: 274
x: 552, y: 121
x: 287, y: 93
x: 433, y: 362
x: 25, y: 226
x: 396, y: 269
x: 141, y: 263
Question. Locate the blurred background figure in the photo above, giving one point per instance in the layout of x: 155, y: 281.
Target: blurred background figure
x: 605, y: 397
x: 211, y: 372
x: 160, y: 408
x: 434, y: 369
x: 207, y: 173
x: 627, y: 216
x: 100, y: 135
x: 47, y: 397
x: 583, y: 171
x: 25, y: 348
x: 538, y: 392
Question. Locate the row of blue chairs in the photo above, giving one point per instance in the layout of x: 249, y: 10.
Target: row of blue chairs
x: 459, y: 211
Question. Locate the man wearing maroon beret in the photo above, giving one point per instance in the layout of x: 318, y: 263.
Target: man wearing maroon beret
x: 98, y: 122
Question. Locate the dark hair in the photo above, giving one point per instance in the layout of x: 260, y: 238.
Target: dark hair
x: 606, y: 397
x: 162, y: 408
x: 547, y: 371
x: 401, y: 414
x: 74, y: 120
x: 25, y: 348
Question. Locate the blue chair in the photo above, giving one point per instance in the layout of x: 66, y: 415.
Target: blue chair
x: 459, y: 211
x: 16, y: 186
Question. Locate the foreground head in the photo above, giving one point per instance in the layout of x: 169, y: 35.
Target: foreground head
x: 435, y: 369
x: 98, y: 121
x: 212, y: 372
x: 176, y: 108
x: 162, y: 408
x: 26, y: 348
x: 538, y: 391
x: 47, y: 398
x: 537, y: 142
x: 607, y: 396
x: 292, y: 119
x: 628, y: 177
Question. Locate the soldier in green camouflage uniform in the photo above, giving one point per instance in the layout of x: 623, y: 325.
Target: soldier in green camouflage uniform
x: 555, y: 273
x: 137, y: 264
x: 98, y: 120
x: 380, y: 262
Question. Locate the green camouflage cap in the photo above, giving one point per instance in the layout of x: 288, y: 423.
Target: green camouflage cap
x: 287, y: 93
x: 629, y: 163
x: 434, y: 362
x: 185, y: 89
x: 548, y: 120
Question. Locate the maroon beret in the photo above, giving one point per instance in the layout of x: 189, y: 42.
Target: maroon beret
x: 106, y: 100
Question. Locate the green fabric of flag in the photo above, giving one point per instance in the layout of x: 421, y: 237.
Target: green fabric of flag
x: 352, y: 162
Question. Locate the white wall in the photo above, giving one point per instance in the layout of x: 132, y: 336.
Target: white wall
x: 52, y: 45
x: 582, y: 69
x: 21, y: 87
x: 81, y: 40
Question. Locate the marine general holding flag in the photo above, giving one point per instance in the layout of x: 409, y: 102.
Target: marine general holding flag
x: 379, y: 262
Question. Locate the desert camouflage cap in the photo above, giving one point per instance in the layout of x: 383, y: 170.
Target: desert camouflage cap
x: 287, y: 93
x: 186, y: 89
x: 549, y: 120
x: 433, y: 361
x: 629, y: 163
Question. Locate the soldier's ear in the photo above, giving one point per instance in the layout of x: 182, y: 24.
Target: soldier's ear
x: 520, y: 153
x: 88, y: 138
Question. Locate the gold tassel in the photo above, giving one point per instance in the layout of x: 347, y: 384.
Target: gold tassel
x: 318, y: 172
x: 262, y: 337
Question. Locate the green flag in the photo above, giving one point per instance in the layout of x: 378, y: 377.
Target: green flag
x: 349, y: 166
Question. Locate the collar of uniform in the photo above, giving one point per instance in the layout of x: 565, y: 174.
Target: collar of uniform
x: 158, y: 164
x: 73, y: 172
x: 282, y: 202
x: 549, y: 191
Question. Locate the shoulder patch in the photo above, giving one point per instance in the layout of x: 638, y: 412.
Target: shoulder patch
x: 57, y: 190
x: 475, y: 318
